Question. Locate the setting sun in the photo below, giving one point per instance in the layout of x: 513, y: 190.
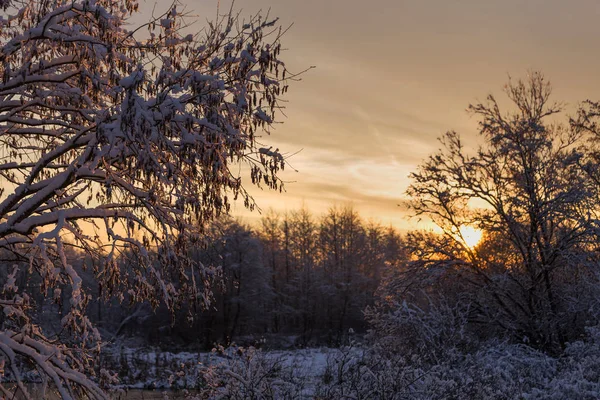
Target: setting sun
x: 470, y: 235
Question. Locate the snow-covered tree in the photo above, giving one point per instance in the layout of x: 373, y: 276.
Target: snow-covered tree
x: 117, y: 140
x: 528, y: 187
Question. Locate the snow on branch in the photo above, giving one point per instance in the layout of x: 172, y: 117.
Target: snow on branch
x: 105, y: 132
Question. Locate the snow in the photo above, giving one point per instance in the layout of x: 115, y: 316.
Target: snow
x: 150, y: 368
x: 495, y: 371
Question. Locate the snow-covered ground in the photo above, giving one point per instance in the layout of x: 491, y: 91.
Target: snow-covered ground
x: 495, y: 370
x: 152, y: 369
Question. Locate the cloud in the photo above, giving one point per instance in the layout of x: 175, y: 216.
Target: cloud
x: 319, y: 197
x: 392, y: 76
x: 374, y: 187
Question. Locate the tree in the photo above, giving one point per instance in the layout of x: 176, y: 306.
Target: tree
x: 304, y: 285
x: 270, y: 234
x: 347, y: 264
x: 538, y: 208
x: 114, y: 142
x: 246, y: 280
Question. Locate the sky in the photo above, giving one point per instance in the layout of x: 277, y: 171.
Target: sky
x: 391, y: 76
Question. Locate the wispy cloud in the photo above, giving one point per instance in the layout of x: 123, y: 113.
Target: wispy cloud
x: 393, y: 75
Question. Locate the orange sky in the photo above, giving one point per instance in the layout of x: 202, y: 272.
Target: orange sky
x: 393, y: 75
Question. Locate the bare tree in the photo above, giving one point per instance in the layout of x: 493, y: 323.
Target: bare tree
x: 526, y: 187
x: 347, y: 263
x: 117, y: 142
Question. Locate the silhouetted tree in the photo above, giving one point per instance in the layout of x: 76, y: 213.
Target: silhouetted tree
x: 526, y: 187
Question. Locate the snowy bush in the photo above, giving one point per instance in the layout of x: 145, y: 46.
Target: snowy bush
x: 248, y: 373
x: 493, y: 370
x: 427, y: 332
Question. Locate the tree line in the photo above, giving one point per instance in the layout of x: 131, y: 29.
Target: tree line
x: 295, y: 279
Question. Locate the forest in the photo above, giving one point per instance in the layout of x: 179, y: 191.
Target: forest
x: 295, y: 279
x: 125, y: 273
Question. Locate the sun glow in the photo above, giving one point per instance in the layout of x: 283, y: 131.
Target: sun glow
x: 470, y: 236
